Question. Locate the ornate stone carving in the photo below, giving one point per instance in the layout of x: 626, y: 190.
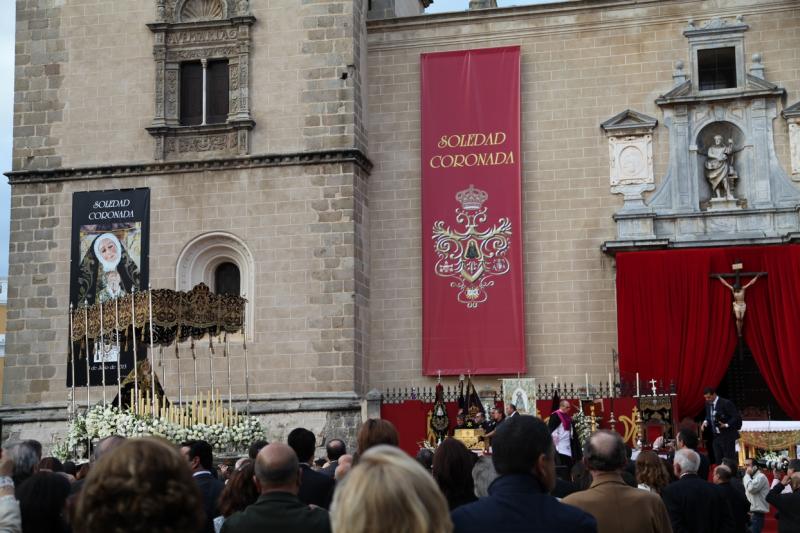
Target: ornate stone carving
x: 198, y: 10
x: 192, y: 30
x: 792, y: 116
x: 691, y: 205
x: 202, y: 36
x: 172, y: 93
x: 630, y: 153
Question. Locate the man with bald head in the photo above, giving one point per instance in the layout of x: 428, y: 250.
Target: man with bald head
x: 617, y: 507
x: 277, y: 477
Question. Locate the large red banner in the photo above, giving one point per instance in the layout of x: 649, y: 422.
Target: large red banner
x: 473, y: 319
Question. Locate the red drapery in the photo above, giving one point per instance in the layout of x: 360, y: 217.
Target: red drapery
x: 676, y: 323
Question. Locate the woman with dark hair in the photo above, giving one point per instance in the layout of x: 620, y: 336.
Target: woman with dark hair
x: 143, y: 485
x: 51, y: 463
x: 452, y: 470
x: 376, y: 431
x: 239, y: 492
x: 42, y: 499
x: 651, y: 474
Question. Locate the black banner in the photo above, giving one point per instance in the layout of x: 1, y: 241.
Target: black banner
x: 110, y: 258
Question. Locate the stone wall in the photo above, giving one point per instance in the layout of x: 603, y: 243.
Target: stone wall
x: 299, y: 223
x: 582, y: 63
x: 327, y: 420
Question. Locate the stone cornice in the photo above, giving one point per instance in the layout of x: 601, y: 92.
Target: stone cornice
x: 473, y: 27
x: 323, y: 157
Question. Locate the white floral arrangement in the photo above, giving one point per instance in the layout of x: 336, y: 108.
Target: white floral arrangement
x: 103, y: 421
x: 583, y: 427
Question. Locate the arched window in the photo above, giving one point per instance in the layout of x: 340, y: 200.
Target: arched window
x: 227, y: 279
x: 222, y: 261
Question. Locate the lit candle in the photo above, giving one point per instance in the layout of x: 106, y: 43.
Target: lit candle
x: 611, y: 384
x: 637, y: 384
x: 587, y: 384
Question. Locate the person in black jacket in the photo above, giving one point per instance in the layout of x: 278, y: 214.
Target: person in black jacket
x: 315, y: 488
x: 695, y: 505
x: 740, y: 507
x: 524, y: 457
x: 335, y: 449
x: 724, y: 422
x: 201, y: 463
x: 788, y: 505
x: 278, y: 507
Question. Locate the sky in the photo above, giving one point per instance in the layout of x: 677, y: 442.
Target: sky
x: 6, y: 121
x: 7, y: 100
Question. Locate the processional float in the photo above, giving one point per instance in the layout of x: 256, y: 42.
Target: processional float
x: 161, y: 318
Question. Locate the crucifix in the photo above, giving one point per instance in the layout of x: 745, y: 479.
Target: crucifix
x: 652, y: 383
x: 738, y: 290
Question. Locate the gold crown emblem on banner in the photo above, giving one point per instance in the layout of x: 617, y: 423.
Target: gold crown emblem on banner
x: 471, y: 199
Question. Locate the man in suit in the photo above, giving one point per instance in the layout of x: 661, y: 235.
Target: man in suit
x: 315, y: 488
x: 201, y: 463
x: 695, y: 505
x: 518, y: 501
x: 740, y: 507
x: 335, y: 449
x: 724, y: 422
x: 277, y: 476
x: 788, y: 505
x: 617, y: 507
x: 688, y: 439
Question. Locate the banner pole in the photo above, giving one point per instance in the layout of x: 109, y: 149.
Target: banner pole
x: 119, y: 354
x: 244, y: 348
x: 180, y: 378
x: 72, y: 359
x: 135, y: 405
x: 86, y: 334
x: 152, y: 348
x: 230, y: 388
x: 102, y: 354
x: 211, y: 359
x: 194, y: 359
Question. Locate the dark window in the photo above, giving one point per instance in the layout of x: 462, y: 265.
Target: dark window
x: 191, y: 102
x: 217, y: 89
x: 227, y: 279
x: 716, y: 68
x: 191, y: 94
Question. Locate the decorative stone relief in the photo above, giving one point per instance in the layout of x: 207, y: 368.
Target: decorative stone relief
x: 792, y: 116
x: 191, y: 30
x: 630, y: 152
x: 724, y: 184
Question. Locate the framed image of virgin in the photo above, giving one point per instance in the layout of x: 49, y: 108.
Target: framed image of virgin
x: 109, y: 259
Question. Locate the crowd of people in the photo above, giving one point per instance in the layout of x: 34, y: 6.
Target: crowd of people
x: 151, y: 485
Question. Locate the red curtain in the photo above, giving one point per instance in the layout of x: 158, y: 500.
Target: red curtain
x: 676, y: 323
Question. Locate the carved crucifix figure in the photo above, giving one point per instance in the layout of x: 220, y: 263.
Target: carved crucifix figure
x: 738, y: 291
x: 652, y: 383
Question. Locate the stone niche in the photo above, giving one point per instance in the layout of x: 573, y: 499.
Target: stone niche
x: 724, y: 184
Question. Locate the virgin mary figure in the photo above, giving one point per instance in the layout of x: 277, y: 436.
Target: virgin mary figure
x: 106, y: 271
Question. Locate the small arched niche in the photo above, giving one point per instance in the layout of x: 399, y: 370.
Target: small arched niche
x: 222, y: 261
x: 728, y: 131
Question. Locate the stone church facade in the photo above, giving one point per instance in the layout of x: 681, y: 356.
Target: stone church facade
x: 310, y: 185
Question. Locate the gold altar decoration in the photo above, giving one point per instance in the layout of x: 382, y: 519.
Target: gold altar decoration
x: 471, y: 438
x: 770, y: 440
x: 209, y: 409
x: 177, y: 315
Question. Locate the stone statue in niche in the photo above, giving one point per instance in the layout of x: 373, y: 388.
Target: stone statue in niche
x: 720, y: 171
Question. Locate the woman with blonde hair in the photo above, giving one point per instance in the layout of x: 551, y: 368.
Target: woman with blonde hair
x: 390, y: 492
x: 651, y: 474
